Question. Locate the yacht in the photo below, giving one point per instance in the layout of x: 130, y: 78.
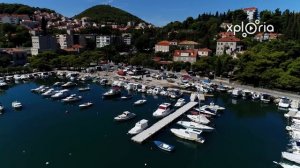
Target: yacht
x: 140, y: 102
x: 126, y: 115
x: 16, y: 104
x: 201, y: 119
x: 286, y: 165
x: 49, y: 93
x: 194, y: 125
x: 38, y: 89
x: 61, y: 94
x: 207, y: 110
x: 68, y: 84
x: 139, y: 127
x: 85, y: 105
x: 284, y: 103
x: 163, y: 110
x: 189, y: 134
x: 180, y: 102
x: 72, y: 98
x: 112, y: 93
x: 265, y: 98
x: 293, y: 157
x: 214, y: 106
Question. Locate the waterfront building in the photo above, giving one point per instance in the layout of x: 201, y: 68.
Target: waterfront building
x: 43, y: 43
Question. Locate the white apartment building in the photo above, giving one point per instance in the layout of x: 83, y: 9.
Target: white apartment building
x: 126, y: 37
x: 102, y: 41
x: 43, y: 43
x: 228, y: 45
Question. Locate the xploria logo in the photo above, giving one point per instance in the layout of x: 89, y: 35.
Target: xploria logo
x: 250, y: 28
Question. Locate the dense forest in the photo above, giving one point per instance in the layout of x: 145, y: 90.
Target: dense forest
x: 21, y: 9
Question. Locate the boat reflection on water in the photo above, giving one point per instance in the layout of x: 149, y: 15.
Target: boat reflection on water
x: 234, y: 101
x: 187, y: 143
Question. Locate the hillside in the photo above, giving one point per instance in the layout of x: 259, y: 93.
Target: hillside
x: 20, y: 9
x: 107, y: 13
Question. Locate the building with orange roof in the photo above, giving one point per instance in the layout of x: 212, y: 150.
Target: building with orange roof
x: 164, y: 46
x: 204, y: 52
x: 187, y: 45
x: 185, y: 55
x: 228, y: 45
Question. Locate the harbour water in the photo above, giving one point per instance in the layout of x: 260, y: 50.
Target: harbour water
x: 247, y: 134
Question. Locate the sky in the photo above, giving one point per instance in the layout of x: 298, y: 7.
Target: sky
x: 161, y: 12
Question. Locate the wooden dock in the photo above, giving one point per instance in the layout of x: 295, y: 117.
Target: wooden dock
x: 141, y: 137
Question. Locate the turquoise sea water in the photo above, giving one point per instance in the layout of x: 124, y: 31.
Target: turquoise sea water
x: 248, y: 134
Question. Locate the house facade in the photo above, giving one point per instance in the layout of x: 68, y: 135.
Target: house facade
x: 185, y: 55
x: 102, y: 41
x: 188, y: 45
x: 228, y: 45
x: 162, y: 46
x: 204, y: 52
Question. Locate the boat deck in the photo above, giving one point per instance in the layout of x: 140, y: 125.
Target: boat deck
x: 141, y: 137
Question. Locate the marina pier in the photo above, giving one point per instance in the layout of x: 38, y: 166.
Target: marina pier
x: 141, y: 137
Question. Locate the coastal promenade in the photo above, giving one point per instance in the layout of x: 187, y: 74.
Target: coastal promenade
x: 141, y: 137
x: 274, y: 93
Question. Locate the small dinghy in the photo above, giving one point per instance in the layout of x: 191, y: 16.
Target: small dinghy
x: 164, y: 146
x: 82, y: 89
x: 140, y: 102
x: 85, y: 105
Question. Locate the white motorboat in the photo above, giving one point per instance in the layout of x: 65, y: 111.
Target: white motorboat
x: 85, y: 105
x: 3, y: 84
x: 291, y: 157
x: 207, y: 110
x: 194, y: 125
x: 82, y: 89
x: 214, y: 106
x: 163, y: 110
x: 139, y: 127
x: 49, y: 92
x: 284, y: 102
x: 61, y: 94
x: 72, y: 98
x: 112, y: 93
x: 236, y: 93
x: 265, y: 98
x: 246, y: 94
x: 38, y: 89
x: 199, y: 119
x: 57, y: 84
x: 180, y: 102
x: 1, y: 108
x: 16, y: 104
x: 139, y: 102
x: 126, y: 115
x: 189, y: 134
x: 68, y: 84
x: 285, y: 165
x: 293, y: 127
